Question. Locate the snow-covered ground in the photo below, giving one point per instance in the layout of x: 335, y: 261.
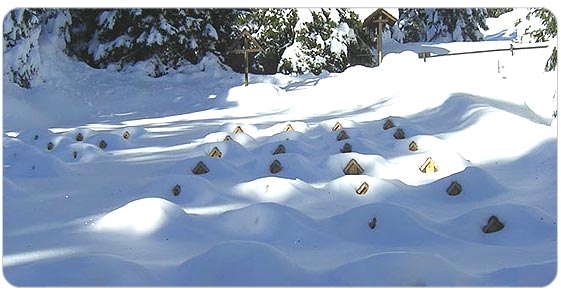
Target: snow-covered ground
x: 79, y: 215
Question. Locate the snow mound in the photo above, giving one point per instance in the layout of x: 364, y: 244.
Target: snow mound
x: 112, y: 141
x: 403, y: 269
x: 267, y: 222
x: 143, y: 217
x: 21, y: 159
x: 87, y: 270
x: 259, y: 98
x: 242, y: 263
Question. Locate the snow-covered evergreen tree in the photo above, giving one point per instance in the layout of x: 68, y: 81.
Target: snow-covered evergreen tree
x: 442, y: 25
x: 544, y: 32
x: 320, y: 44
x: 164, y: 38
x: 22, y: 30
x: 274, y: 31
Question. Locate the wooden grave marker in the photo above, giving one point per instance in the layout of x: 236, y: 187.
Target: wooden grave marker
x: 429, y: 166
x: 126, y: 135
x: 275, y: 167
x: 454, y: 189
x: 238, y: 130
x: 347, y: 148
x: 363, y: 189
x: 413, y: 146
x: 249, y: 45
x: 215, y: 153
x: 176, y: 190
x: 337, y: 126
x: 388, y: 124
x: 79, y: 137
x: 200, y: 168
x: 288, y: 128
x: 342, y: 136
x: 280, y: 150
x: 372, y: 224
x: 50, y: 146
x: 493, y: 225
x: 102, y: 144
x: 228, y: 138
x: 399, y: 134
x: 353, y: 168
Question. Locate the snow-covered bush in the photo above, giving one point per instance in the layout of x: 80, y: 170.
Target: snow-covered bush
x: 541, y: 26
x: 441, y: 25
x: 272, y: 28
x: 165, y: 38
x: 22, y: 30
x: 320, y: 44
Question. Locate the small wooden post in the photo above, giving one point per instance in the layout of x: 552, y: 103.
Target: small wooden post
x: 379, y: 42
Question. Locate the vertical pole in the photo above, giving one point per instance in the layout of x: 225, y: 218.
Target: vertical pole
x: 246, y: 59
x: 379, y: 40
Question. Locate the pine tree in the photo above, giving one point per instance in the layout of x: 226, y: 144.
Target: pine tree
x: 442, y: 25
x: 22, y: 30
x: 547, y: 32
x: 496, y: 12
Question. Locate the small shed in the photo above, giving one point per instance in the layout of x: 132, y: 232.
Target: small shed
x: 375, y: 23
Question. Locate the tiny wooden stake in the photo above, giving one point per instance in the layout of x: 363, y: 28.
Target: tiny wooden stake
x: 347, y: 148
x: 102, y: 144
x: 342, y: 136
x: 363, y: 189
x: 399, y: 134
x: 413, y: 146
x: 126, y: 135
x: 200, y: 168
x: 36, y: 137
x: 176, y: 190
x: 74, y: 154
x: 372, y: 224
x: 353, y: 168
x: 215, y: 152
x: 429, y: 166
x: 388, y: 124
x: 337, y: 126
x: 454, y: 189
x: 493, y: 225
x: 79, y: 137
x: 280, y: 149
x: 50, y: 146
x: 238, y: 130
x: 275, y: 167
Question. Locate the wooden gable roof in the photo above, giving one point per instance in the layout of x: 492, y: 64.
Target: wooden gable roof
x: 380, y: 12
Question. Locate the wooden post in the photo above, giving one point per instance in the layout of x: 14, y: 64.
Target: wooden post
x: 246, y: 58
x: 380, y: 23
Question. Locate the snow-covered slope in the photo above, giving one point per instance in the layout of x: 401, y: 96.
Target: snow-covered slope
x: 87, y: 213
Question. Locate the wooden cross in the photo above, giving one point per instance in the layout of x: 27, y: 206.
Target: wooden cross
x: 250, y: 45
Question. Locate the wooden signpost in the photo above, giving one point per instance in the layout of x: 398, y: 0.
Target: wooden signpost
x: 249, y: 45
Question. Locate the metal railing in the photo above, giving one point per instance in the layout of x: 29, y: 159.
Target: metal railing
x: 425, y: 55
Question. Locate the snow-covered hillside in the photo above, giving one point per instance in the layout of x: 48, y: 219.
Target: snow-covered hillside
x: 99, y: 185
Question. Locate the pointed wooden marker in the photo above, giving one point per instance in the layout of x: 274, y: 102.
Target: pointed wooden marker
x: 176, y: 190
x: 493, y: 225
x: 289, y: 128
x: 50, y: 146
x: 372, y: 224
x: 342, y: 136
x: 200, y: 168
x: 228, y: 138
x: 429, y: 166
x: 79, y: 137
x: 454, y: 189
x: 337, y: 126
x: 280, y: 149
x: 363, y: 189
x: 353, y: 168
x: 388, y: 124
x: 215, y: 153
x: 126, y: 135
x: 275, y: 167
x: 347, y: 148
x: 102, y: 144
x: 399, y: 134
x: 413, y: 146
x: 238, y: 130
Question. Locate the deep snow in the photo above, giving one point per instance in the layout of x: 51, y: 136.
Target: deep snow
x: 78, y: 215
